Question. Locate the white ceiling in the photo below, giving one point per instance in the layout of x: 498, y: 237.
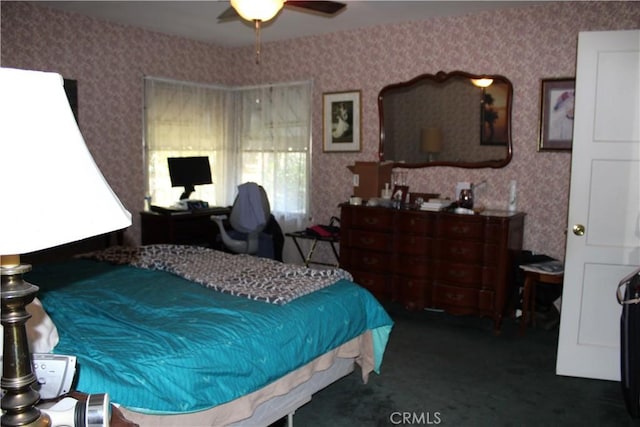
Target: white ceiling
x: 198, y: 19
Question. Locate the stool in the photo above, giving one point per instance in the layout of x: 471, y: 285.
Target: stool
x: 531, y: 278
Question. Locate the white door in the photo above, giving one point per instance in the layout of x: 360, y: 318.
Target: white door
x: 604, y: 201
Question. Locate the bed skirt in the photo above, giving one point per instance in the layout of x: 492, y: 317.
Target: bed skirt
x: 278, y: 399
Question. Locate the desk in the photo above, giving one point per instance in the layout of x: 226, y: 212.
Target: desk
x: 307, y: 236
x: 183, y: 228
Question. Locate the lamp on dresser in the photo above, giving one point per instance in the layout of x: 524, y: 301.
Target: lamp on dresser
x: 43, y: 159
x: 431, y: 141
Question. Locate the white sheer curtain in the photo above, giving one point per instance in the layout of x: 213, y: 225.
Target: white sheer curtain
x: 260, y: 134
x: 274, y: 138
x: 185, y: 119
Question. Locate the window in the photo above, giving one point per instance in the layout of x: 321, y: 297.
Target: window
x: 259, y: 134
x: 183, y: 119
x: 273, y: 141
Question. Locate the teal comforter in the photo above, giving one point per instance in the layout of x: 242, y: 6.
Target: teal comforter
x: 159, y: 343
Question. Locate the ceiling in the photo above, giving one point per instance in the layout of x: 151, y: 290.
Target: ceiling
x: 198, y: 19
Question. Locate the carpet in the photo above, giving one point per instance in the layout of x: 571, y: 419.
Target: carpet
x: 441, y: 369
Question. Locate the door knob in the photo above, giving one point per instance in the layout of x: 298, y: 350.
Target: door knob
x: 578, y: 230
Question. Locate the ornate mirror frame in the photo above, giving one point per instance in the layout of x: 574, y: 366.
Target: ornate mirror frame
x: 457, y: 119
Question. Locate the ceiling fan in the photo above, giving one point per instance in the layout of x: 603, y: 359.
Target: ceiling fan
x: 264, y: 10
x: 260, y: 11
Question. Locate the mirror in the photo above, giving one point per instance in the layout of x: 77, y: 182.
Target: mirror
x: 446, y: 120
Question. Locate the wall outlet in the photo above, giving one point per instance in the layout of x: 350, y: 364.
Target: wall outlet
x: 356, y: 180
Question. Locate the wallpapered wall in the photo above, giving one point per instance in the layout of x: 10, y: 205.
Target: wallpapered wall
x: 524, y: 44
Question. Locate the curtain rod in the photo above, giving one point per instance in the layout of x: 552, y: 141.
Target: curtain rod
x: 219, y: 86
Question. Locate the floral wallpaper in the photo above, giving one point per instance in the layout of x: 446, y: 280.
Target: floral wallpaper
x: 523, y: 44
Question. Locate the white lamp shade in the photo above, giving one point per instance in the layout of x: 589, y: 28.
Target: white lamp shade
x: 257, y: 10
x: 51, y: 190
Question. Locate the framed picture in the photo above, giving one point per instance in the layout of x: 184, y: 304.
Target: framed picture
x: 556, y: 114
x: 494, y: 111
x: 341, y: 121
x: 400, y: 193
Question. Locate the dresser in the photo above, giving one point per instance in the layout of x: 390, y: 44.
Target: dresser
x: 463, y: 264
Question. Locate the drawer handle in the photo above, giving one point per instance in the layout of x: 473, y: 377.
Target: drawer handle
x: 459, y: 251
x: 370, y: 261
x: 371, y: 220
x: 367, y: 240
x: 454, y: 297
x: 460, y: 229
x: 459, y: 274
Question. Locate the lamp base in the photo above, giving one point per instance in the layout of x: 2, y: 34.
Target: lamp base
x: 19, y: 400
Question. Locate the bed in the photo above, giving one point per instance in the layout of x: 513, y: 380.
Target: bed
x: 179, y: 335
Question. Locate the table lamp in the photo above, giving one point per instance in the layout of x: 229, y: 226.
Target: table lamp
x: 431, y: 141
x: 52, y: 193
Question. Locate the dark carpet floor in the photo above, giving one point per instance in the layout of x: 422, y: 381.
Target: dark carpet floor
x: 441, y: 369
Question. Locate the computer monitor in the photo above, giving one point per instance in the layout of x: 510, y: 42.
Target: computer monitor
x: 189, y: 171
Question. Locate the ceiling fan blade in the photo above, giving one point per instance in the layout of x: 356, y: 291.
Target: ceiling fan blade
x: 325, y: 7
x: 228, y: 15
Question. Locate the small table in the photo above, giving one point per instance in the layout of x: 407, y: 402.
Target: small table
x: 529, y: 294
x: 332, y: 240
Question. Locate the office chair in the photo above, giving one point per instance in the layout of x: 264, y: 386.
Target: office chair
x: 249, y: 215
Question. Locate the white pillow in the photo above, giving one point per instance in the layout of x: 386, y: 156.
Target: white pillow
x: 42, y: 334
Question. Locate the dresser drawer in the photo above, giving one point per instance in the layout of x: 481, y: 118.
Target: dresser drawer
x: 416, y: 223
x: 469, y: 275
x: 460, y: 227
x: 413, y: 245
x: 463, y: 300
x: 410, y: 265
x: 363, y: 260
x: 462, y: 251
x: 412, y: 293
x: 378, y: 284
x: 370, y: 240
x: 452, y: 297
x: 467, y: 252
x: 377, y: 219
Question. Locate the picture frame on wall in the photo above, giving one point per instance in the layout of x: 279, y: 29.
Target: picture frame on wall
x: 556, y: 114
x: 341, y: 112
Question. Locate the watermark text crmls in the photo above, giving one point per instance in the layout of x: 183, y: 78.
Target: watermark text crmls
x: 415, y: 418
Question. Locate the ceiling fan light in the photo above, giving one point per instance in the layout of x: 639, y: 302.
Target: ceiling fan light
x: 257, y: 10
x: 484, y: 82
